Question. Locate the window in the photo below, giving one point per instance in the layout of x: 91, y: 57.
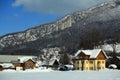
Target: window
x: 91, y: 62
x: 103, y: 62
x: 98, y: 68
x: 91, y: 68
x: 98, y: 62
x: 18, y: 59
x: 31, y: 65
x: 98, y: 65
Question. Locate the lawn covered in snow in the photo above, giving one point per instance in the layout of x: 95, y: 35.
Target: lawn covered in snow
x: 64, y: 75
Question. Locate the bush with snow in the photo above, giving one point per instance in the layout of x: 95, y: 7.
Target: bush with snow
x: 113, y: 66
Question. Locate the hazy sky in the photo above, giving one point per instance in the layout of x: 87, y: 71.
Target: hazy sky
x: 18, y: 15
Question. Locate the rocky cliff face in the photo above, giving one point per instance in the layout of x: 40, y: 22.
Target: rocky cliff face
x: 35, y: 33
x: 67, y: 30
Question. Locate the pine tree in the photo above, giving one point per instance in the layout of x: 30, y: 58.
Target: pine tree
x: 64, y: 59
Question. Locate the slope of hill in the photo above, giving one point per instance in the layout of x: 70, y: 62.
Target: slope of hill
x: 65, y: 32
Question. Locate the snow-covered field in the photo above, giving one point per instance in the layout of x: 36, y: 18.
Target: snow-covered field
x: 65, y: 75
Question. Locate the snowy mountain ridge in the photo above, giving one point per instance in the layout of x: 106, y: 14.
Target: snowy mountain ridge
x: 35, y: 33
x: 66, y: 31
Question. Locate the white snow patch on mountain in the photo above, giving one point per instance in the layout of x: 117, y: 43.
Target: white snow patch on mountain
x: 108, y: 47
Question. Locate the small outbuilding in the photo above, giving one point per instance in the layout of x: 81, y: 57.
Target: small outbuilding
x: 52, y: 63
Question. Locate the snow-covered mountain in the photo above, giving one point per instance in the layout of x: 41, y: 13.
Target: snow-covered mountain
x: 66, y: 31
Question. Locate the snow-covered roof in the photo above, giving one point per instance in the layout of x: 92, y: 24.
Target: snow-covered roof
x: 50, y: 62
x: 53, y: 61
x: 7, y: 65
x: 93, y: 53
x: 24, y: 59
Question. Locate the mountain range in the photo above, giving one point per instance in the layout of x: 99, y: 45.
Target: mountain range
x: 64, y: 32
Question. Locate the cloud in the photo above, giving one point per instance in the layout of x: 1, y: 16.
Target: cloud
x: 56, y: 6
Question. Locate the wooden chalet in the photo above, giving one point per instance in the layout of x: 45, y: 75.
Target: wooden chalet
x: 27, y: 63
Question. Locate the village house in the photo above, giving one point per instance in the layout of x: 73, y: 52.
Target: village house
x: 17, y: 62
x: 52, y: 63
x: 24, y: 63
x: 4, y: 66
x: 90, y: 60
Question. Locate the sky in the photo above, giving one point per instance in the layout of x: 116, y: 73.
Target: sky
x: 19, y: 15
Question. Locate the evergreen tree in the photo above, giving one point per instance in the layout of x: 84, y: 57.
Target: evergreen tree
x: 64, y: 59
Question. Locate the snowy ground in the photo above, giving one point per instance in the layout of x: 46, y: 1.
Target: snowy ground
x: 41, y: 69
x: 65, y: 75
